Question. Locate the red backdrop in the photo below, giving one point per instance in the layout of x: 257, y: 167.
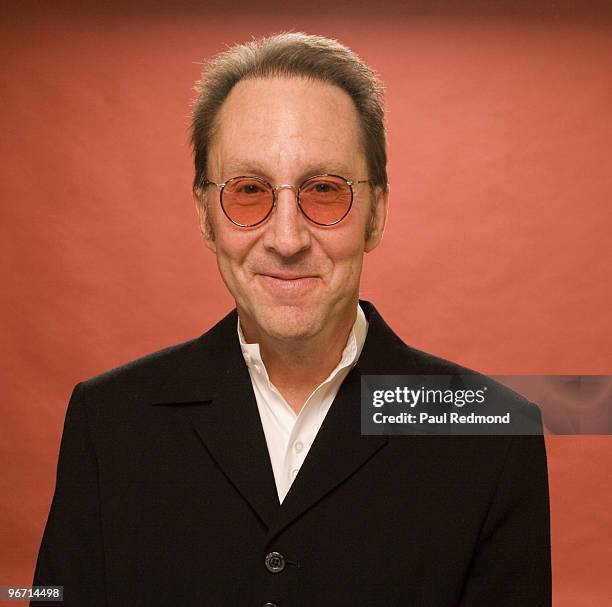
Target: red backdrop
x: 497, y: 253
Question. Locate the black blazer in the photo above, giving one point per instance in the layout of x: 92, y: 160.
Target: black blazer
x: 165, y: 496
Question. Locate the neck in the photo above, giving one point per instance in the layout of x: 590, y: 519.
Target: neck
x: 296, y: 367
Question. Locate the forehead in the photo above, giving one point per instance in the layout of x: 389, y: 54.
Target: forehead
x: 286, y: 123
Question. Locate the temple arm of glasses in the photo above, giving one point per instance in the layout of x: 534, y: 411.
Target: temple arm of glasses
x: 219, y: 186
x: 371, y: 181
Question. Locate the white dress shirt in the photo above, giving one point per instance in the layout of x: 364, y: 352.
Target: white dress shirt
x: 289, y: 436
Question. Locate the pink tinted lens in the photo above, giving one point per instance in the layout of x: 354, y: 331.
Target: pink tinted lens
x: 325, y: 200
x: 246, y: 200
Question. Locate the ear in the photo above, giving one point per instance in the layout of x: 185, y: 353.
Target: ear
x: 378, y: 219
x: 204, y: 221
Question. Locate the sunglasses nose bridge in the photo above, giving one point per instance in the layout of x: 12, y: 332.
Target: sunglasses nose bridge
x: 285, y: 186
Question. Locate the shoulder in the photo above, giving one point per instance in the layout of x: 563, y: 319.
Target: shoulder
x: 385, y: 353
x: 169, y: 373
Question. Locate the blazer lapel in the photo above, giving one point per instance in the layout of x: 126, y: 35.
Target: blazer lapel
x: 340, y: 449
x: 231, y: 430
x: 213, y: 386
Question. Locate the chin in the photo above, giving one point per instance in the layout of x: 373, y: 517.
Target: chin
x: 289, y: 322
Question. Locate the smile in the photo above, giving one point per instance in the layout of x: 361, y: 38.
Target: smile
x: 288, y: 284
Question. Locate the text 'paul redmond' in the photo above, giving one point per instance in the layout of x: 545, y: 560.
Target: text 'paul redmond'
x: 439, y: 418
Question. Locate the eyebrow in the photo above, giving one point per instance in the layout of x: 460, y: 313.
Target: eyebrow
x: 256, y: 169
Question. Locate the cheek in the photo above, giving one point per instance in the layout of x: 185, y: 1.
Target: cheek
x: 233, y: 245
x: 352, y: 236
x: 346, y: 252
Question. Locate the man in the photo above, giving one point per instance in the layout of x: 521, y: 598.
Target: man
x: 231, y: 470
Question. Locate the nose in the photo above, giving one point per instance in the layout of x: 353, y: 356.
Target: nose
x: 287, y: 232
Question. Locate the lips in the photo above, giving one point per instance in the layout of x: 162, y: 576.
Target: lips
x: 289, y: 284
x: 283, y: 276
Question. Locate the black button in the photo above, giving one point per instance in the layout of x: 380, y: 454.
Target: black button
x: 275, y: 562
x: 269, y: 605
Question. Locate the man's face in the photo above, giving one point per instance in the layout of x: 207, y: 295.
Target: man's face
x: 291, y: 279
